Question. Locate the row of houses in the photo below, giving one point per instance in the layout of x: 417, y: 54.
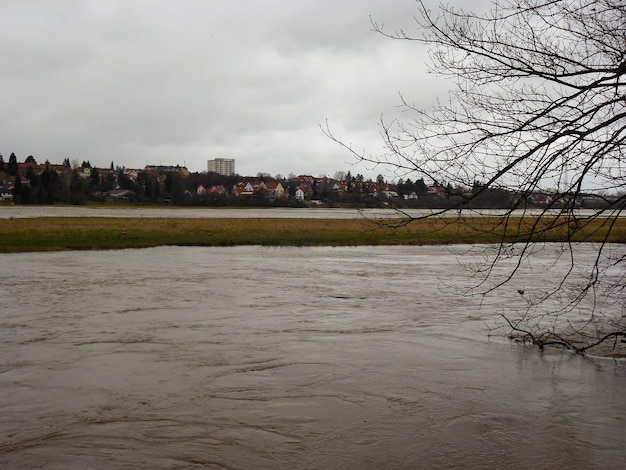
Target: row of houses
x: 304, y: 189
x: 271, y: 190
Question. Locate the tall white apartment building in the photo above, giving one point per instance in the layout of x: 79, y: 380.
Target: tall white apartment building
x: 223, y: 166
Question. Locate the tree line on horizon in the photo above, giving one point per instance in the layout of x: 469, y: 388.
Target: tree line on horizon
x: 71, y: 183
x: 74, y: 183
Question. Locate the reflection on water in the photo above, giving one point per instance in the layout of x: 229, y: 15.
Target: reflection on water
x: 251, y: 357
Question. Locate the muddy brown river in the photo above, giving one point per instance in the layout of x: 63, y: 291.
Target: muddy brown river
x: 285, y: 358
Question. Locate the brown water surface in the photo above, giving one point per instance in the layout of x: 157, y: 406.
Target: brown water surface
x: 284, y: 358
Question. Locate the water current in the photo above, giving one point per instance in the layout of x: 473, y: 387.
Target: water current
x: 284, y: 358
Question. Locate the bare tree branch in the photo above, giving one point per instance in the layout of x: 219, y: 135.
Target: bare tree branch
x: 537, y: 106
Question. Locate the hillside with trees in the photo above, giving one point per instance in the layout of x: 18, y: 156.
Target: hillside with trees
x: 30, y: 182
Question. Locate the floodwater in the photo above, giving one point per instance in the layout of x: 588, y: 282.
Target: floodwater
x: 284, y: 358
x: 19, y: 211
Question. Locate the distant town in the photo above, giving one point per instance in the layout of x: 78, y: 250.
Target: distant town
x: 31, y: 182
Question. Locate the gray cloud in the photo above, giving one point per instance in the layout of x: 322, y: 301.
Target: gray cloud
x: 139, y: 82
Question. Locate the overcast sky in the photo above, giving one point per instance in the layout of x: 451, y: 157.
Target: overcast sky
x: 180, y: 82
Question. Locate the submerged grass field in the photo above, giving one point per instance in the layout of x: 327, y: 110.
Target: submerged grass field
x: 85, y: 233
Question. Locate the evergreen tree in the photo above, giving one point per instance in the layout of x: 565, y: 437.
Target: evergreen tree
x: 48, y: 180
x: 420, y: 186
x: 17, y: 189
x: 95, y: 177
x: 12, y: 167
x: 30, y: 174
x: 21, y: 192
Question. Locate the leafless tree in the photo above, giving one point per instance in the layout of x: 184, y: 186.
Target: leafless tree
x: 537, y: 106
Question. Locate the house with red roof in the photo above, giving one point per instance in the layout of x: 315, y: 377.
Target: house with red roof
x: 249, y: 188
x: 216, y: 190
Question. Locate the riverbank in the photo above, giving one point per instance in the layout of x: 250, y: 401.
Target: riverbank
x: 80, y: 233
